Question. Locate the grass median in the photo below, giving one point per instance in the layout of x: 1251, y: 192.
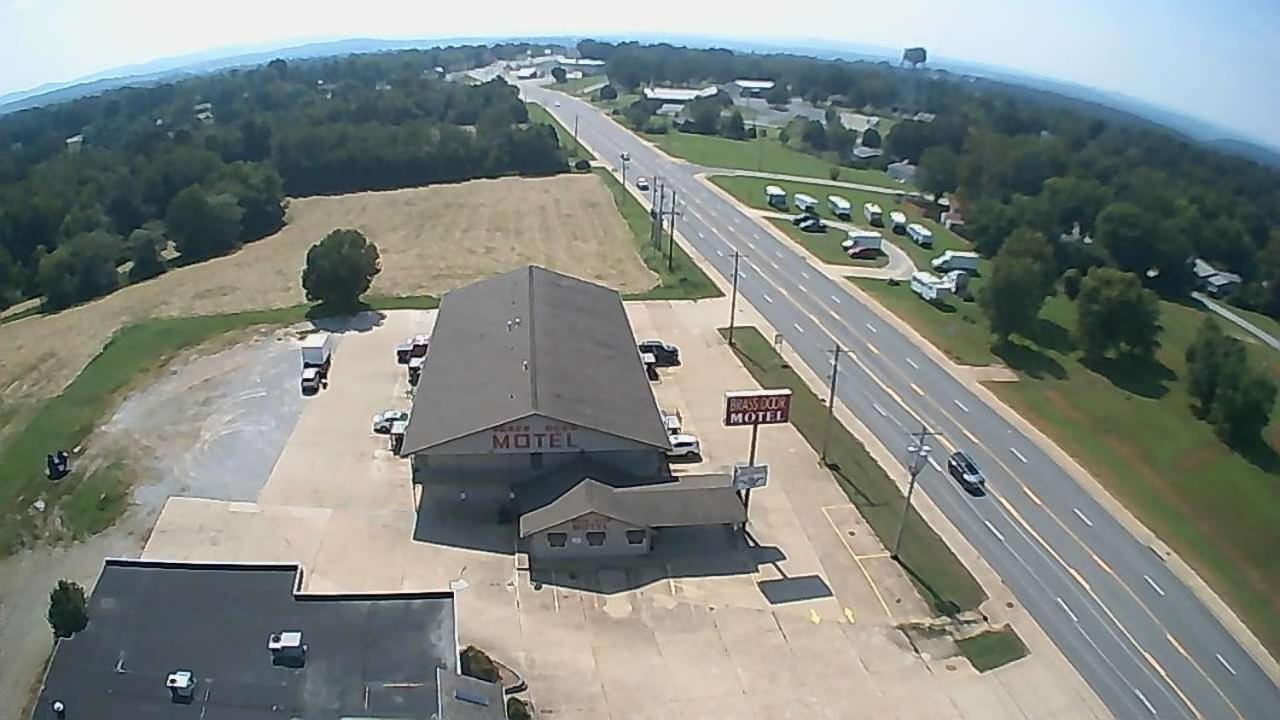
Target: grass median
x: 993, y: 648
x: 685, y: 280
x: 939, y: 575
x: 762, y: 155
x: 825, y: 246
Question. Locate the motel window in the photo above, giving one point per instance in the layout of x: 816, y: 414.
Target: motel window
x: 635, y: 537
x: 595, y: 539
x: 557, y: 539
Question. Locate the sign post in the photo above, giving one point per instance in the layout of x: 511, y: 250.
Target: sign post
x: 755, y: 408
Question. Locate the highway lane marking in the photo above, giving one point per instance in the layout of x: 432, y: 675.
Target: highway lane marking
x: 1030, y: 494
x: 1186, y: 700
x: 774, y: 264
x: 960, y: 405
x: 1017, y: 454
x: 1083, y: 519
x: 935, y: 464
x: 879, y: 409
x: 1067, y: 610
x: 804, y: 274
x: 917, y: 389
x: 778, y: 253
x: 1153, y: 585
x: 767, y: 298
x: 797, y: 326
x: 800, y: 288
x: 993, y: 529
x: 1144, y: 700
x: 720, y: 253
x: 971, y: 437
x: 701, y: 236
x: 1177, y: 645
x: 1102, y: 564
x: 872, y: 328
x: 872, y: 348
x: 833, y: 297
x: 912, y: 363
x: 1225, y: 664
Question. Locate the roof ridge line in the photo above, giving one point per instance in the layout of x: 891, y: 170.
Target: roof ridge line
x: 531, y: 360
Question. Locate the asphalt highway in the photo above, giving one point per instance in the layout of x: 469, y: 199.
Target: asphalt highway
x: 1141, y: 639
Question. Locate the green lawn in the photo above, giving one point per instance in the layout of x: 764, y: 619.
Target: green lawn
x: 685, y: 281
x: 939, y: 575
x: 993, y: 648
x: 750, y: 191
x: 763, y: 155
x: 577, y: 85
x: 1264, y: 322
x: 573, y: 149
x: 825, y: 246
x: 1131, y: 425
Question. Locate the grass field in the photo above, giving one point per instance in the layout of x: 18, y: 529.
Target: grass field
x: 750, y: 191
x: 1131, y: 426
x: 942, y: 579
x: 430, y: 239
x: 825, y: 246
x: 685, y: 281
x: 993, y: 648
x: 1265, y: 323
x: 763, y: 155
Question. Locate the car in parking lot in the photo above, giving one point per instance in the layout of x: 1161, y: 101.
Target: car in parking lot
x: 383, y: 421
x: 962, y: 467
x: 812, y: 224
x: 800, y: 219
x: 642, y: 183
x: 664, y: 354
x: 684, y: 447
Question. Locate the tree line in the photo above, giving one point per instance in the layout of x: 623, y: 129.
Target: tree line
x: 1144, y: 199
x: 93, y: 192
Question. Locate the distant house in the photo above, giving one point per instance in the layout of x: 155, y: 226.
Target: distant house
x: 862, y: 152
x: 74, y: 143
x: 924, y: 117
x: 203, y: 112
x: 678, y: 96
x: 1213, y: 281
x: 1075, y: 236
x: 586, y: 66
x: 903, y: 172
x: 753, y: 88
x: 528, y: 73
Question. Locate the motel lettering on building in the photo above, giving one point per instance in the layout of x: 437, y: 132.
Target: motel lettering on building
x: 526, y: 437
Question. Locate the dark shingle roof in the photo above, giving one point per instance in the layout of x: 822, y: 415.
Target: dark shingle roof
x: 679, y: 501
x: 367, y: 655
x: 532, y: 341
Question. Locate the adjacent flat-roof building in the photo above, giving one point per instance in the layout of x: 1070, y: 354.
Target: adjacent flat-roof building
x: 241, y: 642
x: 1214, y: 281
x: 678, y: 95
x: 752, y: 88
x: 534, y: 392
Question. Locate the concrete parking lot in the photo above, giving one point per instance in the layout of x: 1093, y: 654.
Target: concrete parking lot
x: 801, y: 624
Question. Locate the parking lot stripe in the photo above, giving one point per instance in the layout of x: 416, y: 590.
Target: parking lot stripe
x: 854, y: 555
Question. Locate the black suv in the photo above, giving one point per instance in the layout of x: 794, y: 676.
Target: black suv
x: 663, y: 354
x: 966, y: 472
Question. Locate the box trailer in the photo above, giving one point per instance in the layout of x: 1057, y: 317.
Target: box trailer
x: 807, y: 203
x: 775, y: 196
x: 920, y: 235
x: 839, y: 207
x: 861, y: 242
x: 898, y: 219
x: 317, y: 350
x: 873, y: 213
x: 930, y: 287
x: 956, y: 260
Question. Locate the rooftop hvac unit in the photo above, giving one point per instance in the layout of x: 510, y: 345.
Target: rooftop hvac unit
x: 182, y: 685
x: 287, y: 647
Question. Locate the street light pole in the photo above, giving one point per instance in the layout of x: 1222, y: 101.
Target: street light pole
x: 622, y: 156
x: 836, y: 352
x: 671, y: 239
x: 919, y: 454
x: 733, y: 301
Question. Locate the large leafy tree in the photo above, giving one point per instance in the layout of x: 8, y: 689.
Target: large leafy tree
x: 1116, y: 315
x: 1243, y: 404
x: 733, y: 127
x: 340, y: 268
x: 1013, y: 296
x: 939, y: 170
x: 144, y: 246
x: 81, y: 269
x: 203, y: 225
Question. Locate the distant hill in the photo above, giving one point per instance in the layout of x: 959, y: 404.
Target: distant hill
x: 1249, y: 151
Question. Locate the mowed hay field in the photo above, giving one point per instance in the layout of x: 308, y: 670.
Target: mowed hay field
x: 431, y: 239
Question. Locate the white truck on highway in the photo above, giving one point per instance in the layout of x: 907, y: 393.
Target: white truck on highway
x: 775, y: 197
x: 873, y: 213
x: 956, y: 260
x: 839, y: 207
x: 806, y: 203
x: 920, y: 235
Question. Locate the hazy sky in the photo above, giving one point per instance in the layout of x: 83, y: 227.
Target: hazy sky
x: 1213, y: 60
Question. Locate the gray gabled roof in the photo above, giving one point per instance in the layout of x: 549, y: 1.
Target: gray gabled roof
x: 532, y: 341
x: 682, y: 500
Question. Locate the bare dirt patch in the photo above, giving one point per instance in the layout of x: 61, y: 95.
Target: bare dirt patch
x: 431, y: 239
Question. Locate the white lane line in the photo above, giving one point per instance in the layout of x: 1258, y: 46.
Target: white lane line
x: 935, y: 464
x: 912, y: 363
x: 805, y: 274
x: 1144, y: 700
x: 767, y: 298
x: 774, y: 264
x: 799, y: 286
x: 1153, y: 585
x: 870, y: 347
x: 833, y: 297
x: 991, y: 527
x: 720, y: 253
x: 879, y: 410
x: 797, y: 326
x: 1067, y: 610
x: 701, y: 236
x: 1225, y: 664
x: 872, y: 328
x: 1083, y: 519
x: 778, y: 253
x: 960, y: 405
x: 1017, y: 454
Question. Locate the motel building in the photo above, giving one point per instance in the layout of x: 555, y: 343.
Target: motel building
x: 534, y: 407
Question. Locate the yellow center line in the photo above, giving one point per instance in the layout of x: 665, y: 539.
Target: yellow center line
x: 872, y: 348
x: 1030, y: 494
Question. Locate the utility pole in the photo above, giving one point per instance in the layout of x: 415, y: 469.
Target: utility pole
x: 575, y: 127
x: 918, y: 454
x: 622, y: 156
x: 836, y: 352
x: 671, y: 239
x: 656, y: 235
x: 733, y: 302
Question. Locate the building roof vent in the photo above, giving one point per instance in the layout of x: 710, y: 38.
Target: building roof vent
x: 287, y: 648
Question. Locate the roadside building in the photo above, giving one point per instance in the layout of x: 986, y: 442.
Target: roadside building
x: 752, y: 88
x: 534, y: 397
x: 74, y: 143
x: 242, y: 642
x: 586, y: 66
x: 678, y: 96
x: 1213, y: 281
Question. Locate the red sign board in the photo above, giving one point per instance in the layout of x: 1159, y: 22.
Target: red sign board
x: 757, y: 407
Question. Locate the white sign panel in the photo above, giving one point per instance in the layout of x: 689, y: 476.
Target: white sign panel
x: 747, y: 477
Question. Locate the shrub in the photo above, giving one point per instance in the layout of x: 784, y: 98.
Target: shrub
x: 608, y: 93
x: 1071, y: 283
x: 518, y: 709
x: 834, y: 173
x: 582, y: 165
x: 68, y: 609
